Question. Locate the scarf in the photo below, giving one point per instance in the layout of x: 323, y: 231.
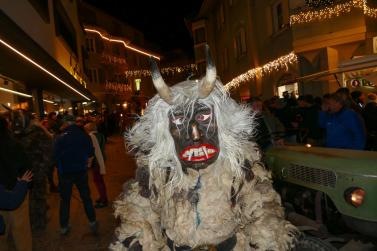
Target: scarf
x: 98, y: 153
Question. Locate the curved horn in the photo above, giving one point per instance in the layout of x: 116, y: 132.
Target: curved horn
x: 159, y: 83
x: 209, y: 80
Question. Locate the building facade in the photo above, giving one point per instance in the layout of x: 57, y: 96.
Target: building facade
x: 41, y: 50
x: 331, y: 43
x: 266, y: 48
x: 115, y: 56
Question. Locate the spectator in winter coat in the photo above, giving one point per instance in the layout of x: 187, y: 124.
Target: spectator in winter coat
x: 344, y: 127
x: 73, y: 150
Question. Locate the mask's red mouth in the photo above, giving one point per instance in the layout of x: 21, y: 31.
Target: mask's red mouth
x: 198, y: 153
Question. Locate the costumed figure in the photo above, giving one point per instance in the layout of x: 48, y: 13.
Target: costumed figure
x: 37, y: 142
x: 200, y: 184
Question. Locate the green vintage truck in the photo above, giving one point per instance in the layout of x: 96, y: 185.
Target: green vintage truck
x: 334, y: 188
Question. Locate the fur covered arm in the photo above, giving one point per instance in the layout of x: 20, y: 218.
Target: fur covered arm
x: 264, y: 224
x: 140, y: 225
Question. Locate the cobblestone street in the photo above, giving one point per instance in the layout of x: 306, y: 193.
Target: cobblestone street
x: 120, y: 167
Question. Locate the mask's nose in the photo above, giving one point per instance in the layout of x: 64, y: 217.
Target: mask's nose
x: 195, y: 133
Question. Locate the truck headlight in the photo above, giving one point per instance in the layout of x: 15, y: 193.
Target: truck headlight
x: 354, y: 196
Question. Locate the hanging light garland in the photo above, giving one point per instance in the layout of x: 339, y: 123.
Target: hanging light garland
x: 121, y: 41
x: 119, y: 88
x: 166, y: 70
x: 278, y: 64
x: 331, y: 12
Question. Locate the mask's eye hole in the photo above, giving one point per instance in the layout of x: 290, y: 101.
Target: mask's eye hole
x: 203, y: 117
x: 178, y: 120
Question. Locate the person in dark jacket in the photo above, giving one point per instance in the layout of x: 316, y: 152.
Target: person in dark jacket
x: 309, y: 130
x: 13, y: 164
x: 344, y: 127
x: 73, y: 150
x: 12, y: 199
x: 370, y: 118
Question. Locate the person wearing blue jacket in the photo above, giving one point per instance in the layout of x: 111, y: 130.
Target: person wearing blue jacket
x: 12, y: 199
x: 73, y: 150
x: 344, y: 127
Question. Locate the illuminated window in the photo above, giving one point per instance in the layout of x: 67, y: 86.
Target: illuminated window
x: 137, y: 84
x: 291, y: 89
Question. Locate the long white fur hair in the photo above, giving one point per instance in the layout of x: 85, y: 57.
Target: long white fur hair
x: 150, y: 137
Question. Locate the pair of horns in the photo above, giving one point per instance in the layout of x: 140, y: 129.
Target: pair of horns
x: 205, y: 88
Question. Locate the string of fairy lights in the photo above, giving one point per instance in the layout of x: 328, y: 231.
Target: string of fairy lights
x: 165, y: 70
x: 333, y: 11
x: 281, y: 63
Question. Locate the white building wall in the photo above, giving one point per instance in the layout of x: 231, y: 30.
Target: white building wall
x: 27, y: 18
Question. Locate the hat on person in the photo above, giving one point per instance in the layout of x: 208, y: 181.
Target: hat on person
x: 371, y: 98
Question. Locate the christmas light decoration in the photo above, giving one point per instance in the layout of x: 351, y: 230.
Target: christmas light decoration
x: 122, y: 42
x: 333, y: 11
x: 120, y: 88
x: 278, y: 64
x: 318, y: 3
x: 166, y: 70
x: 15, y: 92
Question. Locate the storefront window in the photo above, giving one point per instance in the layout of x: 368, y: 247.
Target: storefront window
x: 13, y: 95
x: 291, y: 89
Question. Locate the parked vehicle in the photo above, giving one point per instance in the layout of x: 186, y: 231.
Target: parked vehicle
x: 331, y: 188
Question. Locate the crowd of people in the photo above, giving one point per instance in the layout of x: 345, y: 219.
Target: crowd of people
x: 30, y: 151
x: 342, y: 119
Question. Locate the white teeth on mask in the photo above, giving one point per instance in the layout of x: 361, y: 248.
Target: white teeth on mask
x: 190, y: 156
x: 205, y: 151
x: 196, y: 152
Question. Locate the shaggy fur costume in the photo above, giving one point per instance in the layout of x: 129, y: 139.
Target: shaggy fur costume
x: 231, y: 198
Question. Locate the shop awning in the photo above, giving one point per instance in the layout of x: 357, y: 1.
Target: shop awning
x: 18, y: 52
x: 358, y: 66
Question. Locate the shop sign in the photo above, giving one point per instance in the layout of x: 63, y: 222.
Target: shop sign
x: 360, y: 82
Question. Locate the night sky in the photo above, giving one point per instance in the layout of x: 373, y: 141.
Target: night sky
x: 162, y: 22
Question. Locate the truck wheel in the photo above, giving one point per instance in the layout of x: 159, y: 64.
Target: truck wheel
x: 307, y: 243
